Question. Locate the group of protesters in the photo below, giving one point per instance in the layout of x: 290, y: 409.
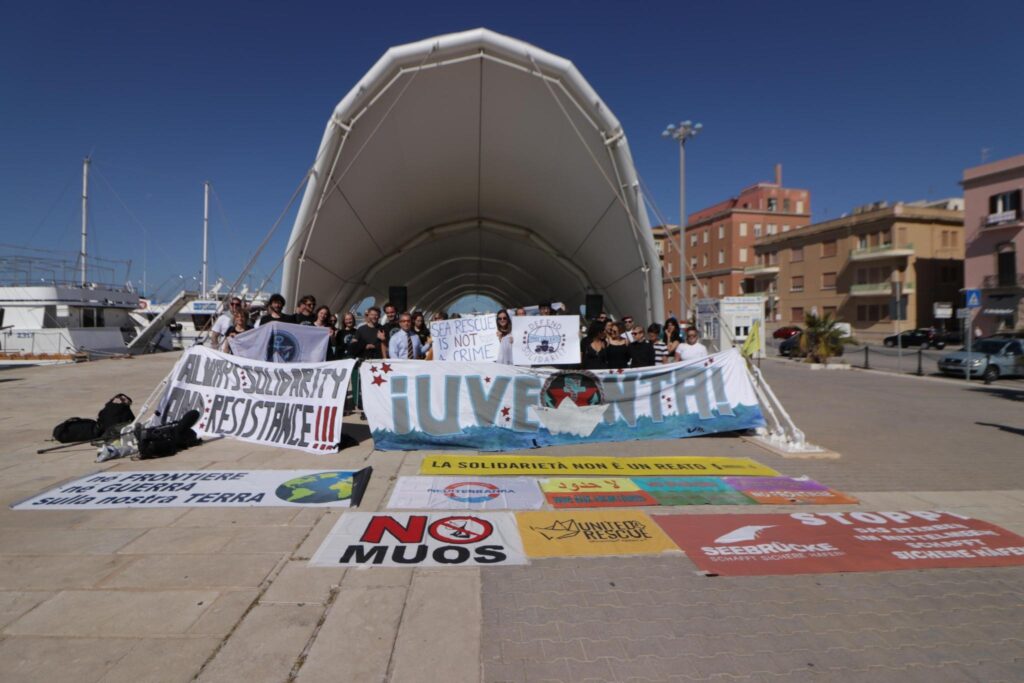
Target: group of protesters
x: 606, y: 344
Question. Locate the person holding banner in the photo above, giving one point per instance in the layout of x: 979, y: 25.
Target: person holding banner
x: 504, y: 324
x: 274, y: 307
x: 405, y: 343
x: 692, y: 349
x: 593, y: 351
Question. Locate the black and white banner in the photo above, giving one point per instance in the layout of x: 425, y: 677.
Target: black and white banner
x: 205, y: 488
x: 283, y: 343
x: 381, y: 539
x: 298, y: 405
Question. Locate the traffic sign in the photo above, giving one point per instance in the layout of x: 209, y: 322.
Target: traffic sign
x: 943, y: 310
x: 972, y: 298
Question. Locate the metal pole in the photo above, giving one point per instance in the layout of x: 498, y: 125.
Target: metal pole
x: 867, y: 364
x: 920, y: 351
x: 970, y: 337
x: 682, y: 230
x: 206, y: 226
x: 896, y: 321
x: 85, y: 218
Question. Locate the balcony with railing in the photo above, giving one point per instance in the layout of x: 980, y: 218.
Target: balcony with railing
x: 1004, y: 281
x: 880, y: 289
x: 761, y: 269
x: 882, y: 251
x: 1002, y: 220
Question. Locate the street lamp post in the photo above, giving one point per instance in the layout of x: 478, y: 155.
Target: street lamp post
x: 681, y: 133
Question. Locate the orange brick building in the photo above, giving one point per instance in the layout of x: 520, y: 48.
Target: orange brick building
x: 720, y: 240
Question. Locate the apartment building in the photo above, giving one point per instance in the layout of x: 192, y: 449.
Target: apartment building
x: 853, y: 266
x: 720, y: 240
x: 994, y: 230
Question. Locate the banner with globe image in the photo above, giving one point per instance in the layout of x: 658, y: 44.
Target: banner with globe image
x: 205, y: 488
x: 420, y: 405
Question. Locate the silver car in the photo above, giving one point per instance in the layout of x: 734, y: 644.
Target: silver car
x: 990, y: 358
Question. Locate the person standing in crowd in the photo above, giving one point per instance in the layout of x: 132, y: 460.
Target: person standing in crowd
x: 671, y: 335
x: 617, y: 350
x: 504, y: 324
x: 420, y: 327
x: 641, y: 350
x: 593, y: 350
x: 224, y: 322
x: 275, y: 306
x: 657, y: 343
x: 627, y: 321
x: 405, y: 343
x: 520, y: 312
x: 390, y: 321
x: 369, y: 345
x: 691, y: 349
x: 304, y: 311
x: 346, y: 338
x: 544, y: 308
x: 322, y: 318
x: 239, y: 324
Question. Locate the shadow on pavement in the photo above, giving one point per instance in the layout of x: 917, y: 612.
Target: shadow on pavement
x: 1008, y: 394
x: 1002, y: 428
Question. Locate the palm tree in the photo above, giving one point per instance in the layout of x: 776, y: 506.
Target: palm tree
x: 821, y: 339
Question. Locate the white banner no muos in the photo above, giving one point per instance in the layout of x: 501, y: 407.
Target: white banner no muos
x: 297, y: 405
x: 204, y: 488
x: 546, y: 340
x: 473, y: 339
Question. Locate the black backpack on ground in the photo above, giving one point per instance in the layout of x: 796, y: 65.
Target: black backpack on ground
x: 116, y: 413
x: 75, y: 429
x: 164, y: 440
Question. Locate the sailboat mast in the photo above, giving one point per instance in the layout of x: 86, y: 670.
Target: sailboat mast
x: 85, y: 218
x: 206, y: 227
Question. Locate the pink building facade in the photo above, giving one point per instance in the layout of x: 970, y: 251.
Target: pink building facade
x: 994, y: 234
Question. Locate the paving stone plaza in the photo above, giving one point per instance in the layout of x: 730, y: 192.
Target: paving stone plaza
x: 225, y: 594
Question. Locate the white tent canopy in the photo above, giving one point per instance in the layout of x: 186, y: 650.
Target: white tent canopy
x: 474, y: 163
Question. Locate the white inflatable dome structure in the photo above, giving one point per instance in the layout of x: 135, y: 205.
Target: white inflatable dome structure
x: 474, y: 163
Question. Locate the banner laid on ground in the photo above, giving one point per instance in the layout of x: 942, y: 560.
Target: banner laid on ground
x: 819, y: 542
x: 693, y: 491
x: 590, y: 532
x: 546, y: 340
x: 789, y: 491
x: 292, y: 406
x: 472, y: 339
x: 462, y: 493
x: 282, y: 343
x: 415, y: 405
x: 379, y: 539
x: 591, y: 492
x: 205, y: 488
x: 568, y: 466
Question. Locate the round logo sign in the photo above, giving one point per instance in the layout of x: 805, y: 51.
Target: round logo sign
x: 283, y: 347
x: 461, y: 530
x: 543, y: 341
x: 471, y: 492
x: 579, y: 386
x: 322, y: 487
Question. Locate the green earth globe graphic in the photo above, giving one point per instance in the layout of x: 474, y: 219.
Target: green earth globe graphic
x: 322, y: 487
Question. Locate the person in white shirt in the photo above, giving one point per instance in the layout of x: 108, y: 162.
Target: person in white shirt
x: 504, y: 324
x: 225, y: 322
x: 404, y: 342
x: 691, y: 349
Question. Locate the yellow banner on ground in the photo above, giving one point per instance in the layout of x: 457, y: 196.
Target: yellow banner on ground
x: 680, y: 465
x: 568, y: 533
x: 587, y: 485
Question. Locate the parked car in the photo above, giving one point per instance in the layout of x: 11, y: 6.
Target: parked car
x: 990, y: 358
x: 791, y: 347
x: 786, y: 332
x: 950, y: 337
x: 924, y: 336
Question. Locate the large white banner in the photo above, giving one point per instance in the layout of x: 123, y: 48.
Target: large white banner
x: 466, y: 493
x: 204, y: 488
x: 473, y: 339
x: 297, y: 405
x: 546, y: 340
x: 381, y: 539
x: 283, y: 343
x: 421, y: 405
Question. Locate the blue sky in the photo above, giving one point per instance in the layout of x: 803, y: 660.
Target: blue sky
x: 859, y: 102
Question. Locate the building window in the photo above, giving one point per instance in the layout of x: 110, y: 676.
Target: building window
x: 705, y: 235
x: 743, y: 229
x: 830, y: 311
x: 693, y: 262
x: 952, y: 238
x: 797, y: 255
x: 772, y: 228
x: 773, y: 258
x: 1004, y: 207
x: 785, y: 204
x: 757, y: 229
x: 721, y: 232
x: 721, y: 255
x: 693, y: 240
x: 945, y: 238
x: 799, y: 206
x: 797, y: 284
x: 796, y: 314
x: 828, y: 248
x: 862, y: 242
x: 704, y: 259
x: 669, y: 267
x: 828, y: 280
x: 743, y: 254
x: 721, y: 288
x: 785, y: 228
x: 1006, y: 264
x: 773, y: 204
x: 693, y: 290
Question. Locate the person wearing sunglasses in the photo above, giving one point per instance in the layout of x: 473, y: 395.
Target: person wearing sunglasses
x: 641, y: 350
x: 504, y: 323
x: 225, y: 322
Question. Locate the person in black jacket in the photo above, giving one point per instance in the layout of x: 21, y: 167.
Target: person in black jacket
x: 641, y: 351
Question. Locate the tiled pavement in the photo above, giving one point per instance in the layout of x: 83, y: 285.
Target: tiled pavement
x: 168, y: 595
